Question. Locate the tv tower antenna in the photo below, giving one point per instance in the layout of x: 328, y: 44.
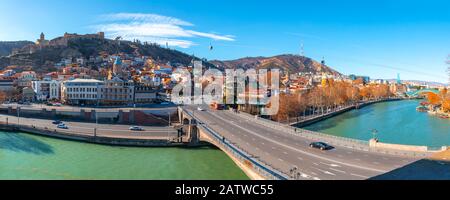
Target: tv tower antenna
x: 302, y: 50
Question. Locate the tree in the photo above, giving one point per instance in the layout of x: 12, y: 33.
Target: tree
x: 433, y: 99
x: 3, y: 97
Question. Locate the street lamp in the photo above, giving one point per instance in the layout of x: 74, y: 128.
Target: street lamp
x: 168, y: 127
x: 18, y: 115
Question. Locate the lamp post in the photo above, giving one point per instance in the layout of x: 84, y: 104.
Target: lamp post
x: 168, y: 127
x: 18, y: 115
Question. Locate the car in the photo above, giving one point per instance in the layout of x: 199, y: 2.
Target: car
x: 321, y: 145
x: 56, y: 122
x: 200, y: 109
x: 62, y: 126
x: 136, y: 128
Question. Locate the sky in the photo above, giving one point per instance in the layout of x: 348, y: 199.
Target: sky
x: 375, y: 38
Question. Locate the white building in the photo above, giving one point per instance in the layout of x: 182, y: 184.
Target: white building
x: 47, y: 90
x: 81, y: 91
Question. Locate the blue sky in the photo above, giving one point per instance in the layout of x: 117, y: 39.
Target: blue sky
x: 376, y: 38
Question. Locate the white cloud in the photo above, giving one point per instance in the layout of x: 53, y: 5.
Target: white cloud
x: 153, y: 28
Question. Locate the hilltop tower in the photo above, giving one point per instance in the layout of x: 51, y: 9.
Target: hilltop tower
x: 42, y: 41
x: 302, y: 50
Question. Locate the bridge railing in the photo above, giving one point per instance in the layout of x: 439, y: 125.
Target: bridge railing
x: 335, y: 140
x: 263, y: 169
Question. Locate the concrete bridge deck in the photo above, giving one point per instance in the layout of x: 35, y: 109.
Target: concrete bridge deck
x: 283, y: 152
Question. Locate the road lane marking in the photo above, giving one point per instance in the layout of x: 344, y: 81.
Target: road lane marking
x: 331, y: 165
x: 336, y: 170
x: 361, y: 176
x: 325, y: 172
x: 304, y: 152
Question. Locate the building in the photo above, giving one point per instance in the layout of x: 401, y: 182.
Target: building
x: 47, y: 90
x: 117, y: 92
x: 117, y: 67
x: 145, y: 94
x: 365, y: 79
x: 6, y: 85
x: 81, y: 91
x: 26, y: 78
x: 28, y: 95
x: 42, y: 41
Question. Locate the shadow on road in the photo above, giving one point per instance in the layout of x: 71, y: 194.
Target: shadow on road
x: 22, y: 143
x: 424, y: 169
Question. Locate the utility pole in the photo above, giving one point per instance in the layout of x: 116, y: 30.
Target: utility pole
x: 168, y: 127
x: 18, y: 115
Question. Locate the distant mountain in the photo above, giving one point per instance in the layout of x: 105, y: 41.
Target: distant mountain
x: 42, y: 59
x: 6, y: 48
x: 287, y: 63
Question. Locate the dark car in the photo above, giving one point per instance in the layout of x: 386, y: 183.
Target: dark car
x: 56, y: 122
x: 321, y: 145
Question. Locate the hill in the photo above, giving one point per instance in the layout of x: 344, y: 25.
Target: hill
x: 6, y: 48
x: 287, y: 63
x: 42, y: 59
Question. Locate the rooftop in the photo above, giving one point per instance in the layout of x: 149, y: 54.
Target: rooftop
x: 79, y: 80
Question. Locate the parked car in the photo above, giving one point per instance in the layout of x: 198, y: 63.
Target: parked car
x: 56, y: 122
x: 62, y: 126
x: 200, y: 109
x: 321, y: 145
x: 136, y: 128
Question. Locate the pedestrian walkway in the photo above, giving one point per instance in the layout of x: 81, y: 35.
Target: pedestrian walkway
x: 442, y: 156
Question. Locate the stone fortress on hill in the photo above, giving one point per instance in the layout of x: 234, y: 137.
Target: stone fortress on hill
x: 63, y: 41
x: 57, y: 42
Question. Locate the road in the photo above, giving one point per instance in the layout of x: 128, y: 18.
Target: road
x: 285, y: 151
x: 105, y: 130
x: 156, y: 107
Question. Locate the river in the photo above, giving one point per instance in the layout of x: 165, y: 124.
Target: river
x: 397, y: 122
x: 24, y: 156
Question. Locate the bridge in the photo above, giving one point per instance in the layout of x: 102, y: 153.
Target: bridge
x: 422, y: 91
x: 267, y: 150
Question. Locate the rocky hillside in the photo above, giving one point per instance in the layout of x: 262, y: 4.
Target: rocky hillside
x: 6, y: 48
x: 287, y: 63
x: 42, y: 59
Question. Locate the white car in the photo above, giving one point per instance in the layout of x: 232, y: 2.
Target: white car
x: 62, y: 126
x: 136, y: 128
x: 200, y: 109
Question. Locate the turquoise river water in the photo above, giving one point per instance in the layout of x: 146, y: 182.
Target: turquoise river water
x: 24, y: 156
x: 397, y: 122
